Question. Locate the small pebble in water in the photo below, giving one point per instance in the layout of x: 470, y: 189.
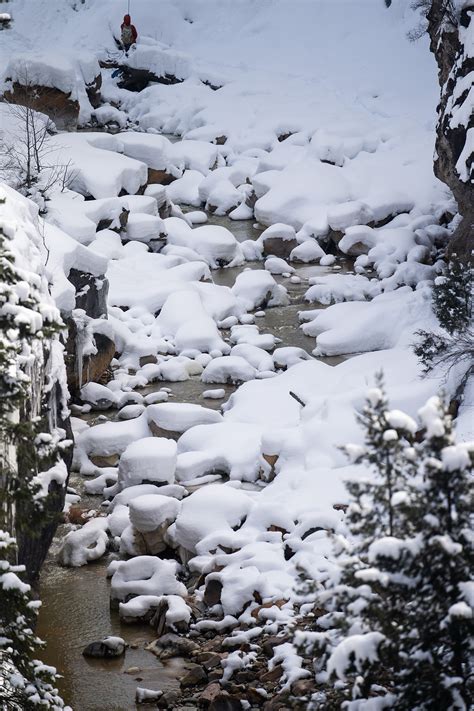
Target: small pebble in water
x: 295, y: 280
x: 132, y: 670
x: 259, y: 314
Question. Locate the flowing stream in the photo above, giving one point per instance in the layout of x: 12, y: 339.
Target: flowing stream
x: 75, y: 608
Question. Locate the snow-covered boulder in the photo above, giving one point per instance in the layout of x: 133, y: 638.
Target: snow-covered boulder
x: 151, y: 459
x: 230, y: 448
x: 228, y: 369
x: 144, y: 575
x: 63, y: 86
x: 278, y: 240
x: 257, y: 288
x: 217, y: 245
x: 208, y: 510
x: 171, y: 419
x: 85, y: 544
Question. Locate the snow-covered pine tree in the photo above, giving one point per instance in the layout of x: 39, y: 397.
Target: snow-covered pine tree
x: 400, y: 619
x: 435, y: 640
x: 365, y: 600
x: 452, y: 303
x: 27, y: 683
x: 26, y: 323
x: 452, y: 296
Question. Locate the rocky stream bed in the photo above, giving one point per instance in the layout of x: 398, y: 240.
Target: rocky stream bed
x: 76, y: 608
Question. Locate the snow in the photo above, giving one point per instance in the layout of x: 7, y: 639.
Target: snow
x: 230, y: 369
x: 210, y: 509
x: 52, y: 69
x: 230, y: 448
x: 215, y: 244
x: 145, y: 575
x: 87, y: 155
x: 362, y: 648
x: 257, y: 288
x: 84, y: 545
x: 179, y: 417
x: 148, y: 512
x: 151, y: 459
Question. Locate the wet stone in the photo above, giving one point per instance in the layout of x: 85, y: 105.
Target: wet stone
x: 104, y: 650
x: 212, y: 593
x: 171, y: 645
x: 194, y: 675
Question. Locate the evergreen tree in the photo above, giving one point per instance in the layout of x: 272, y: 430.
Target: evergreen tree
x: 436, y: 638
x: 27, y: 683
x: 399, y: 620
x: 452, y: 296
x: 452, y: 304
x: 356, y: 646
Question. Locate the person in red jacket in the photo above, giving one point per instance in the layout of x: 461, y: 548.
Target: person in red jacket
x: 129, y: 33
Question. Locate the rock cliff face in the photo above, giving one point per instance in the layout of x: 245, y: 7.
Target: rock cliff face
x: 451, y: 30
x: 35, y: 435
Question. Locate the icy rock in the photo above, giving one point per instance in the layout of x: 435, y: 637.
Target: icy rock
x: 327, y: 261
x: 185, y: 190
x: 97, y: 485
x: 172, y: 419
x: 194, y: 155
x: 109, y: 647
x: 145, y: 575
x: 347, y: 214
x: 172, y: 614
x: 127, y: 495
x: 150, y: 459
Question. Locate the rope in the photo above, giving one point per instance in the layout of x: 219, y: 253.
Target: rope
x: 128, y: 11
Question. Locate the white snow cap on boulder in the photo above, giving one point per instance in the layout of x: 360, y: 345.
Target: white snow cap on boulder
x: 149, y: 511
x: 151, y: 459
x: 210, y: 509
x: 257, y: 287
x: 145, y: 575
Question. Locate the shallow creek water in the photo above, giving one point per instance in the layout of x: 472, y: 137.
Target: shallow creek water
x: 75, y: 608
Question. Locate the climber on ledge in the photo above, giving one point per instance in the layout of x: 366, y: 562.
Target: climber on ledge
x: 129, y: 33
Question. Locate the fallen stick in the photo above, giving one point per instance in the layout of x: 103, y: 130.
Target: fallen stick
x: 298, y: 399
